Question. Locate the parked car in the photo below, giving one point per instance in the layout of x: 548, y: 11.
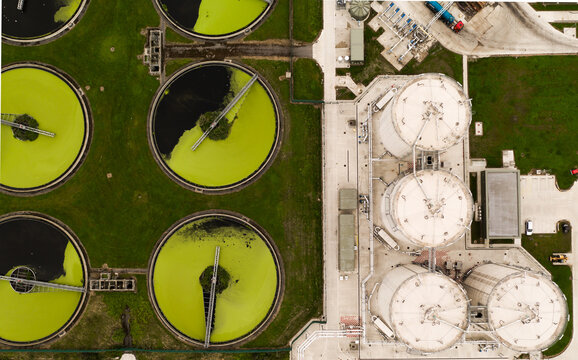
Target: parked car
x: 565, y: 227
x: 529, y: 227
x: 574, y: 171
x: 558, y: 258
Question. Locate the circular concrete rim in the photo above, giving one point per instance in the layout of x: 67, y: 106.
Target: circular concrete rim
x: 45, y: 39
x: 236, y: 35
x: 412, y: 278
x: 410, y: 83
x: 241, y: 184
x: 86, y: 142
x: 509, y: 277
x: 263, y: 234
x: 399, y: 184
x: 83, y: 302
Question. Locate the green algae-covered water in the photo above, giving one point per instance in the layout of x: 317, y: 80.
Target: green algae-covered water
x: 28, y: 317
x: 242, y: 306
x: 213, y: 18
x: 216, y: 163
x: 51, y: 101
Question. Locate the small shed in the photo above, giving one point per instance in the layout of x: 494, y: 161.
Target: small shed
x: 357, y: 46
x: 346, y: 242
x: 347, y: 199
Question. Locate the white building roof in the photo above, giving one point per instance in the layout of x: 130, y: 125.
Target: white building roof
x: 431, y: 111
x: 431, y: 209
x: 527, y: 311
x: 429, y: 312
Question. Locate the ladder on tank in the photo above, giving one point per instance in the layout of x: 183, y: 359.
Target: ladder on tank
x: 212, y: 297
x: 44, y: 286
x: 224, y: 112
x: 8, y: 119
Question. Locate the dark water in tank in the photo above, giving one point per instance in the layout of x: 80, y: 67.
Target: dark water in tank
x: 33, y: 243
x: 195, y: 92
x: 183, y: 12
x: 36, y: 20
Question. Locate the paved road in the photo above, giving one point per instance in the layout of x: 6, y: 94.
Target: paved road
x: 227, y: 50
x: 501, y: 29
x: 542, y: 202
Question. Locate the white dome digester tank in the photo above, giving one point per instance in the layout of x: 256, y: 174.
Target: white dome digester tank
x: 427, y: 311
x: 526, y: 311
x: 430, y: 112
x: 432, y: 208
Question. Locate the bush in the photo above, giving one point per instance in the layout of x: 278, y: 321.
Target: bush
x: 25, y: 135
x: 223, y: 279
x: 221, y: 131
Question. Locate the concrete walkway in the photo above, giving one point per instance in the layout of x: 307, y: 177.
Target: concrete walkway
x: 558, y: 16
x: 324, y: 50
x: 347, y: 81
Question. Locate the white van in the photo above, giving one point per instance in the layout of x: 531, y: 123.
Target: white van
x: 529, y: 227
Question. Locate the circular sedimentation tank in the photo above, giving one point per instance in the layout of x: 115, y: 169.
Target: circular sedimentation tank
x: 52, y: 98
x: 434, y: 208
x: 430, y: 112
x: 39, y: 21
x: 38, y: 247
x: 526, y: 311
x: 215, y: 19
x: 247, y: 299
x: 237, y: 151
x: 427, y: 311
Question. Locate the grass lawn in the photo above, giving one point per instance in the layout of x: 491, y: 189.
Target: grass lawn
x: 307, y: 80
x: 554, y: 6
x: 276, y: 26
x: 439, y: 60
x: 527, y: 104
x: 173, y: 65
x: 343, y: 93
x: 561, y: 26
x: 174, y: 37
x: 118, y: 220
x: 307, y: 19
x: 541, y: 247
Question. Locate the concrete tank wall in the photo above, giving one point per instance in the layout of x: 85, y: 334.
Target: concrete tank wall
x: 526, y: 310
x: 428, y: 312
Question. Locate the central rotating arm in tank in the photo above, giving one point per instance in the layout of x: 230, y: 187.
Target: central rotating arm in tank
x: 4, y: 121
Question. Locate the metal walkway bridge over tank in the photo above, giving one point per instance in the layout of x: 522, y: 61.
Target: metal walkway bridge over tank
x: 225, y: 111
x: 8, y: 119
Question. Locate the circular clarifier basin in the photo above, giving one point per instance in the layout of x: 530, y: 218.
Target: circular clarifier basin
x: 50, y: 97
x: 248, y: 297
x: 214, y: 19
x: 39, y: 21
x: 247, y: 137
x: 40, y: 249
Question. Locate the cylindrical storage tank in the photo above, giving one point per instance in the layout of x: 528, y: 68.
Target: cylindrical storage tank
x: 432, y: 208
x: 427, y: 311
x: 430, y: 111
x: 526, y: 311
x: 360, y: 9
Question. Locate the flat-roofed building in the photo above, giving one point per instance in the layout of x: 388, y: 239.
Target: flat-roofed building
x: 501, y: 195
x: 357, y: 47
